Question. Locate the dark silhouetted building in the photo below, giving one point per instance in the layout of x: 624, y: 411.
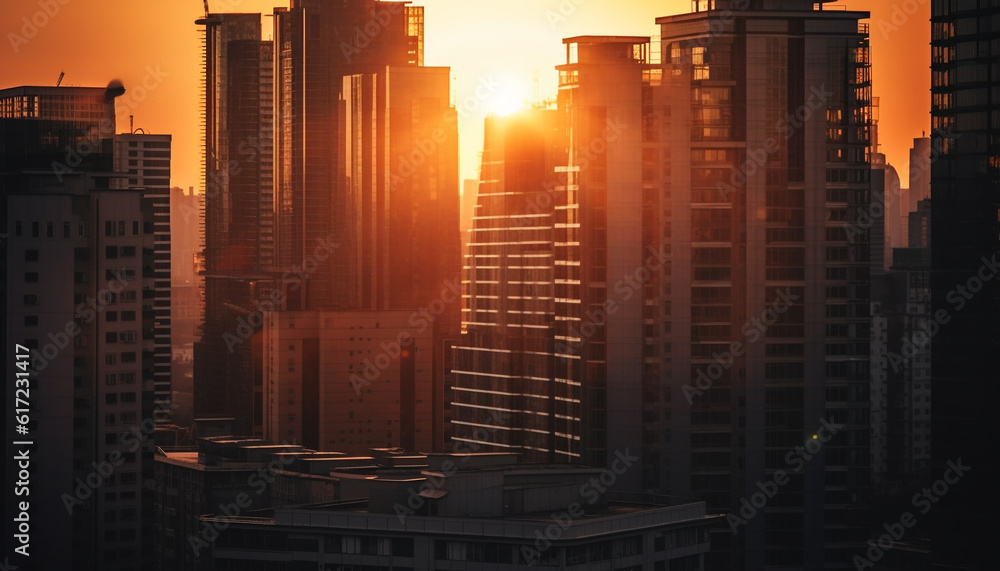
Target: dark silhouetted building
x: 965, y: 277
x: 239, y: 217
x: 78, y: 256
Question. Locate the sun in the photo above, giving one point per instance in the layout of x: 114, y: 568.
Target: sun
x: 506, y: 103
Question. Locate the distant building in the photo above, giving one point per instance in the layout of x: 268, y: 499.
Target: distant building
x: 506, y: 363
x: 145, y: 159
x: 238, y: 214
x: 349, y: 380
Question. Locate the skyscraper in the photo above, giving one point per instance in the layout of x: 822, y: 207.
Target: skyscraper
x: 317, y: 45
x: 78, y: 256
x: 965, y: 277
x: 506, y: 365
x: 712, y: 302
x: 239, y: 219
x: 146, y: 160
x: 768, y: 120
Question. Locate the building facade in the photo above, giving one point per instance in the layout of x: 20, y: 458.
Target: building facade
x: 78, y: 259
x: 238, y: 215
x: 350, y: 380
x: 146, y: 160
x: 965, y: 177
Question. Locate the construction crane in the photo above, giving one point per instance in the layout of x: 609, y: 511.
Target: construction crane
x: 62, y: 74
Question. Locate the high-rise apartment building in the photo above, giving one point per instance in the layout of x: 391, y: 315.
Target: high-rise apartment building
x: 965, y: 278
x: 317, y: 44
x: 506, y: 365
x: 769, y: 126
x: 239, y: 216
x: 146, y: 160
x: 709, y: 297
x: 78, y: 255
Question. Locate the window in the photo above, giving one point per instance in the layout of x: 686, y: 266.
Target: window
x: 128, y: 316
x: 127, y: 296
x: 81, y: 254
x: 110, y: 252
x: 31, y: 277
x: 111, y: 337
x: 128, y: 251
x: 110, y: 379
x: 31, y: 299
x: 109, y: 419
x: 18, y: 228
x: 110, y: 359
x: 127, y: 397
x: 135, y: 227
x: 111, y: 316
x: 66, y: 229
x: 111, y: 398
x: 34, y: 229
x: 128, y: 357
x: 121, y: 227
x: 128, y: 378
x: 129, y: 337
x: 109, y: 228
x: 31, y: 255
x: 49, y: 230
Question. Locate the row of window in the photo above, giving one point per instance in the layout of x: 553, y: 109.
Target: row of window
x: 50, y: 231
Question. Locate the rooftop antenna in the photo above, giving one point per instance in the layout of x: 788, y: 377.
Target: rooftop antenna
x: 62, y: 74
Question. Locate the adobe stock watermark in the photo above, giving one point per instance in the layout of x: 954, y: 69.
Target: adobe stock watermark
x: 86, y: 313
x: 626, y: 288
x: 427, y: 147
x: 592, y: 491
x: 33, y: 24
x: 258, y: 481
x: 902, y: 12
x: 958, y: 297
x: 371, y: 30
x: 923, y: 501
x: 420, y: 320
x: 293, y: 279
x: 106, y: 129
x: 753, y: 330
x: 133, y: 439
x: 796, y: 460
x: 882, y: 201
x: 545, y: 199
x: 481, y: 435
x: 785, y: 129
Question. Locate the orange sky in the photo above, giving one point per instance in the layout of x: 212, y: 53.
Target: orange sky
x: 501, y: 41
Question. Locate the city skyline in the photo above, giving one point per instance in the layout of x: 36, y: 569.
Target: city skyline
x: 689, y: 285
x: 499, y: 60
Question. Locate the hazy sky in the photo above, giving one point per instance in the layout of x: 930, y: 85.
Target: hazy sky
x: 154, y: 43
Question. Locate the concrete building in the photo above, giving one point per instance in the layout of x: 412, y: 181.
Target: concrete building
x: 350, y: 380
x: 965, y: 176
x: 469, y: 511
x: 145, y: 159
x: 769, y: 130
x: 238, y: 214
x: 78, y: 257
x: 506, y: 363
x: 711, y: 302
